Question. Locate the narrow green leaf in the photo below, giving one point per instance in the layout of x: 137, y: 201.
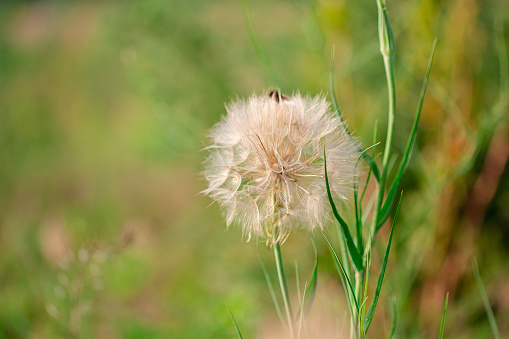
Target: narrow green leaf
x: 271, y: 291
x: 369, y: 208
x: 338, y: 262
x: 389, y: 201
x: 301, y: 312
x: 310, y: 292
x: 443, y: 316
x: 485, y: 300
x: 284, y: 287
x: 345, y: 259
x: 358, y: 214
x: 354, y: 253
x: 394, y: 319
x: 234, y: 322
x: 375, y: 143
x: 499, y: 110
x: 331, y: 86
x: 372, y: 308
x: 502, y: 58
x: 373, y: 166
x: 344, y: 283
x: 358, y: 204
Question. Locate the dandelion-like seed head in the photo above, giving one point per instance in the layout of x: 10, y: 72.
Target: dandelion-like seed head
x: 266, y: 164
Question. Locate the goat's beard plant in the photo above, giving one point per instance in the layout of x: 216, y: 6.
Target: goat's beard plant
x: 277, y: 163
x: 266, y: 164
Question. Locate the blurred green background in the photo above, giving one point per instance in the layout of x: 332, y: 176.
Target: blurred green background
x: 104, y: 110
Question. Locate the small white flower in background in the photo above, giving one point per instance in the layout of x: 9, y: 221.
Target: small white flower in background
x: 266, y: 165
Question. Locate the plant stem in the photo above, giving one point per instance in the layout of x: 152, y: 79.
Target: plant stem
x: 387, y: 51
x: 358, y: 291
x: 284, y: 288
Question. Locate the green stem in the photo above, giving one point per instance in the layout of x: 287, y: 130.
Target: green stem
x: 358, y: 289
x: 387, y: 51
x: 282, y: 283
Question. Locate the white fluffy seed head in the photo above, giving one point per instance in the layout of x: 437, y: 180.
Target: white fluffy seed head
x: 266, y: 164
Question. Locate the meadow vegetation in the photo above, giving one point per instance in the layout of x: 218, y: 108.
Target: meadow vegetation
x: 104, y: 111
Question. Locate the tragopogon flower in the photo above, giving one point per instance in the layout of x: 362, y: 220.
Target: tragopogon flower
x: 266, y: 164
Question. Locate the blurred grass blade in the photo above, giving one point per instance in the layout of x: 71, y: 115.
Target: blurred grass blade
x: 331, y: 86
x: 255, y: 41
x: 284, y: 287
x: 368, y: 210
x: 485, y: 300
x: 234, y: 322
x: 375, y: 143
x: 301, y: 312
x: 271, y: 291
x: 309, y: 294
x: 502, y: 58
x: 443, y: 316
x: 358, y: 206
x: 389, y: 201
x: 338, y: 262
x: 500, y: 108
x: 372, y: 308
x: 354, y: 253
x: 373, y: 166
x: 358, y: 203
x: 358, y: 212
x: 395, y: 318
x: 297, y: 281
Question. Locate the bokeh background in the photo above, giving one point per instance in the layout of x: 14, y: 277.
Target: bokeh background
x: 104, y: 110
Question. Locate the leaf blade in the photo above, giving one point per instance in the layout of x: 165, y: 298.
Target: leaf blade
x: 234, y: 322
x: 394, y: 320
x: 271, y: 291
x: 310, y: 291
x: 485, y: 300
x: 443, y: 317
x: 352, y: 249
x: 389, y: 201
x: 337, y: 260
x: 372, y: 308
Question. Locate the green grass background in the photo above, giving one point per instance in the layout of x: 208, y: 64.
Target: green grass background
x: 104, y: 110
